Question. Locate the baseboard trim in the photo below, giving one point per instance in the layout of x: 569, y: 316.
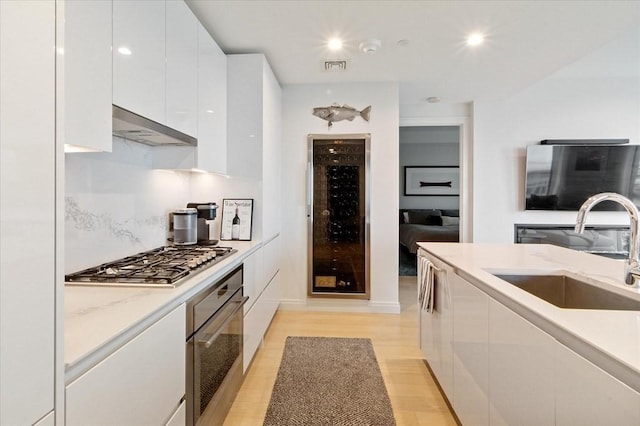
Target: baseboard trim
x: 339, y: 305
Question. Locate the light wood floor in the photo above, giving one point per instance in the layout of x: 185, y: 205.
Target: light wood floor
x: 414, y: 396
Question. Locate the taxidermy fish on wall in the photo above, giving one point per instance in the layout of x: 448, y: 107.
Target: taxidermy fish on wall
x: 336, y: 112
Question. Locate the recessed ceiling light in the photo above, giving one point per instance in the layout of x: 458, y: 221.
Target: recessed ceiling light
x: 335, y: 44
x: 123, y: 50
x: 475, y: 39
x: 433, y: 99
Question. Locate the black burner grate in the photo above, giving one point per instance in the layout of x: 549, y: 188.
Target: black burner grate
x: 161, y: 266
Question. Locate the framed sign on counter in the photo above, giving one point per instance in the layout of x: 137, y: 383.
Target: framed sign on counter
x: 237, y: 214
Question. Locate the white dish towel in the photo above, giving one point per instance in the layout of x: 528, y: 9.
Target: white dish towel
x: 426, y: 284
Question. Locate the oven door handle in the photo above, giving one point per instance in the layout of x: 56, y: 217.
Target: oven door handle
x: 207, y: 343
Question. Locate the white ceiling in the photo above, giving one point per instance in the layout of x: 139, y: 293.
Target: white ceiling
x: 525, y: 40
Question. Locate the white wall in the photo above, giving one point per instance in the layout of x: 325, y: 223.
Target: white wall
x: 298, y: 122
x: 116, y: 205
x: 595, y: 97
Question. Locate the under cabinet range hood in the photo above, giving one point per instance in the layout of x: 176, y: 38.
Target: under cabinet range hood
x: 134, y: 127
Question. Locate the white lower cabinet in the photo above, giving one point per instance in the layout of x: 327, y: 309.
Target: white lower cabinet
x: 258, y: 319
x: 587, y: 395
x: 470, y: 352
x: 141, y: 383
x: 270, y: 260
x: 497, y: 368
x: 179, y: 417
x: 48, y: 420
x: 436, y: 331
x: 250, y: 271
x: 520, y: 370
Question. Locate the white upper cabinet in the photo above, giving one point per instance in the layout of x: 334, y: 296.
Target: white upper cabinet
x: 182, y: 68
x: 27, y: 184
x: 212, y: 105
x: 271, y: 154
x: 139, y: 57
x: 245, y: 109
x: 255, y: 132
x: 87, y: 78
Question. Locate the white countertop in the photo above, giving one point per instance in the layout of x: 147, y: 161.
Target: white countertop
x: 99, y: 320
x: 609, y: 339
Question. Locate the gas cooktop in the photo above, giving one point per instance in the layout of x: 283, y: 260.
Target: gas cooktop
x: 161, y: 267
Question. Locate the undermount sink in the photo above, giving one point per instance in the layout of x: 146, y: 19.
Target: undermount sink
x: 570, y: 293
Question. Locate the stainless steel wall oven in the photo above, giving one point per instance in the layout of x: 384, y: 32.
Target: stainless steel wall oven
x: 214, y: 350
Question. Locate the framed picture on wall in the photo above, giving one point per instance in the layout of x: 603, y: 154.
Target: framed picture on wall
x: 237, y: 214
x: 440, y: 181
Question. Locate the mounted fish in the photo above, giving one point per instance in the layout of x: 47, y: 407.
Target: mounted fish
x: 336, y: 112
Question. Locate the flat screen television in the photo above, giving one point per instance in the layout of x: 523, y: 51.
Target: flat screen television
x: 562, y: 177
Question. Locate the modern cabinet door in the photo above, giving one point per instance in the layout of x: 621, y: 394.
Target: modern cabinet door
x: 139, y: 57
x: 48, y: 420
x: 254, y: 146
x: 258, y: 318
x: 521, y: 370
x: 182, y: 68
x: 87, y: 80
x: 142, y: 383
x: 212, y: 104
x: 470, y: 352
x: 587, y: 395
x: 27, y: 185
x: 271, y: 261
x: 271, y: 154
x: 249, y: 278
x: 436, y: 330
x: 245, y: 115
x: 179, y: 418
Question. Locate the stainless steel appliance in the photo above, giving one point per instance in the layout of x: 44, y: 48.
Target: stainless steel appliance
x: 134, y: 127
x: 214, y: 350
x: 161, y: 267
x: 206, y: 214
x: 185, y: 226
x: 338, y: 215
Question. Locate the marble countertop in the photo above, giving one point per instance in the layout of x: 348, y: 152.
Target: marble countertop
x: 609, y: 339
x: 100, y: 320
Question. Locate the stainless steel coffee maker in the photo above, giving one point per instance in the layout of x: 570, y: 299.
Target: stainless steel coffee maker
x: 183, y: 229
x: 206, y: 214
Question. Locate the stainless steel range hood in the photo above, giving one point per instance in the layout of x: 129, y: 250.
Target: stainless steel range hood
x: 134, y: 127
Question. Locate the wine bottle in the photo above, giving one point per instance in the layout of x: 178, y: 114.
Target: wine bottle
x: 235, y: 226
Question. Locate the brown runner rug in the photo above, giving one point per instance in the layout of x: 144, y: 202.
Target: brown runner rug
x: 326, y: 381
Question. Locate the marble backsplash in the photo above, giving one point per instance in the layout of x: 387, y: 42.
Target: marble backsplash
x: 117, y: 205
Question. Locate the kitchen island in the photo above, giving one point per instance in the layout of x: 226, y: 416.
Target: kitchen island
x: 504, y: 356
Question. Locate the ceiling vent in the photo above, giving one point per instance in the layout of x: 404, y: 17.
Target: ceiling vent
x: 335, y: 65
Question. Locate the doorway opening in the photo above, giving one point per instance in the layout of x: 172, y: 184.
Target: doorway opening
x: 430, y: 189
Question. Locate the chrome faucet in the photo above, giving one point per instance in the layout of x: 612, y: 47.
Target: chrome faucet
x: 632, y: 267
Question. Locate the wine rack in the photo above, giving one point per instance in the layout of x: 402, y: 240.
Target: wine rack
x: 339, y: 246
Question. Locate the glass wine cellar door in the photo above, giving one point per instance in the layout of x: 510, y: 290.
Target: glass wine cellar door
x: 338, y: 215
